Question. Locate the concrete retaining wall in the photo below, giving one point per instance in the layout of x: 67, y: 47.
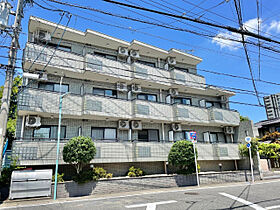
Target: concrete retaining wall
x: 126, y: 184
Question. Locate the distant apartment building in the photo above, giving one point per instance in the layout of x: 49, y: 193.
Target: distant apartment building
x: 133, y: 99
x: 272, y: 106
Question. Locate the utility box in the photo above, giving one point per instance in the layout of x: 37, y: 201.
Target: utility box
x: 31, y: 183
x: 5, y: 8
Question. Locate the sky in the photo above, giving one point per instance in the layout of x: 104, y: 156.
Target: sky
x: 218, y: 54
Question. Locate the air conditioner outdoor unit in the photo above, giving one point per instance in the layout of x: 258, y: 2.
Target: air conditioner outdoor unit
x: 136, y: 125
x: 43, y: 35
x: 33, y: 121
x: 134, y: 54
x: 176, y: 127
x: 123, y: 51
x: 123, y: 124
x: 121, y: 86
x: 135, y: 88
x: 229, y: 130
x: 30, y: 75
x: 173, y: 92
x: 171, y: 61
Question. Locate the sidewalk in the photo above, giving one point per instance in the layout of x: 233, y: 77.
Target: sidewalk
x: 33, y: 202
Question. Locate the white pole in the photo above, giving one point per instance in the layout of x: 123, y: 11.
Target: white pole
x: 251, y: 163
x: 197, y: 178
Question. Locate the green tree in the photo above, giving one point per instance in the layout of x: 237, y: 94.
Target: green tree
x: 242, y: 118
x: 11, y: 125
x: 79, y: 151
x: 181, y: 155
x: 269, y: 150
x: 244, y: 151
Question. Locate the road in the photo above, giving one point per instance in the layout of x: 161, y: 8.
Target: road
x: 261, y: 195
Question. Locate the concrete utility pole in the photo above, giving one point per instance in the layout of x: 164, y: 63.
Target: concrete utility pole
x: 10, y: 76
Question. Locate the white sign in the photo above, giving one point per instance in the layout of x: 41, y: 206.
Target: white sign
x: 248, y: 139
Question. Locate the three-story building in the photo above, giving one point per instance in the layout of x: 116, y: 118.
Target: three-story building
x: 133, y: 99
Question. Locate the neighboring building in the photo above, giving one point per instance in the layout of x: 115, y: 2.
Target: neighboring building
x: 132, y: 98
x: 268, y: 126
x: 272, y: 106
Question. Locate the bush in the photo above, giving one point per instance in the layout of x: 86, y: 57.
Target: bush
x: 84, y: 176
x: 98, y: 173
x: 59, y: 178
x: 135, y: 172
x: 79, y: 151
x: 244, y: 151
x: 109, y: 176
x: 181, y: 155
x: 6, y: 173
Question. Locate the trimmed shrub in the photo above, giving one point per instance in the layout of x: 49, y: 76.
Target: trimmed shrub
x: 59, y: 178
x: 135, y: 172
x: 109, y: 176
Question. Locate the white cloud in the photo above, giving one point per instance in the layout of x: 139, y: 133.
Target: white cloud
x: 274, y: 26
x: 223, y: 38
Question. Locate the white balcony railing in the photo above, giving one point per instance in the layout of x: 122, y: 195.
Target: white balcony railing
x: 36, y: 100
x: 192, y: 114
x: 108, y: 67
x: 187, y: 79
x: 107, y: 107
x: 224, y: 117
x: 56, y: 58
x: 151, y: 110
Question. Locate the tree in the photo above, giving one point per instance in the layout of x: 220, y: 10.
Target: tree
x: 79, y: 151
x: 244, y: 151
x: 242, y: 118
x: 12, y: 117
x: 269, y: 150
x: 181, y: 155
x: 274, y: 137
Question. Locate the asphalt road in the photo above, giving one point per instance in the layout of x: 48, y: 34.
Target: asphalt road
x: 261, y: 195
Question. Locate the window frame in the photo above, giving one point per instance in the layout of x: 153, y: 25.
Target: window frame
x: 103, y: 133
x: 53, y: 86
x: 107, y: 56
x: 104, y: 92
x: 147, y: 63
x: 181, y: 99
x: 50, y: 131
x: 146, y: 95
x: 148, y: 140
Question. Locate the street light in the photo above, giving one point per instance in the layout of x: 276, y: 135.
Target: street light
x: 58, y: 140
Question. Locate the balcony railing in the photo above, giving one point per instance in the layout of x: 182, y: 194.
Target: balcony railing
x: 33, y: 101
x: 44, y: 152
x: 152, y: 110
x: 224, y: 117
x: 57, y: 58
x: 72, y: 62
x: 192, y: 114
x: 107, y: 107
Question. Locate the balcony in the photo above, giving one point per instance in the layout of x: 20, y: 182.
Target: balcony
x: 106, y: 107
x: 223, y: 117
x: 192, y: 114
x: 44, y: 152
x: 152, y: 110
x: 58, y: 59
x: 187, y: 79
x: 151, y: 74
x: 106, y: 67
x: 32, y: 101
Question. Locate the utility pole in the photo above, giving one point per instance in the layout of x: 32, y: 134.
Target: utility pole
x: 4, y: 112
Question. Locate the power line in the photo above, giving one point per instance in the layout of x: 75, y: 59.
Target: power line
x: 228, y: 28
x: 239, y: 16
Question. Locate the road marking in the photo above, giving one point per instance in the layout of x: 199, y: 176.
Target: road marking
x: 273, y: 207
x: 136, y: 194
x: 241, y: 200
x: 150, y: 206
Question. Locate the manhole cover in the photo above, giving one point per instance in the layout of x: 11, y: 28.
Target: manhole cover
x: 191, y: 193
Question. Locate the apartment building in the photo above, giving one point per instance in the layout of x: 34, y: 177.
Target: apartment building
x: 133, y: 99
x: 272, y: 106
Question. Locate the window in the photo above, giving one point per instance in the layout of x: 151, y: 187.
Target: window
x: 148, y: 97
x: 208, y: 104
x: 47, y: 132
x: 213, y: 137
x: 60, y: 47
x: 182, y: 69
x: 186, y: 101
x: 104, y: 92
x: 104, y: 133
x: 148, y: 135
x: 111, y: 57
x: 54, y: 87
x: 146, y: 63
x: 182, y: 135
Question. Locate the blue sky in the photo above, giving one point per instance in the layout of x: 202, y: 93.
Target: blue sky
x: 218, y: 55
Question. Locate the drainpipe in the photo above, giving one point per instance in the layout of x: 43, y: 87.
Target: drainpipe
x: 162, y: 130
x: 22, y: 127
